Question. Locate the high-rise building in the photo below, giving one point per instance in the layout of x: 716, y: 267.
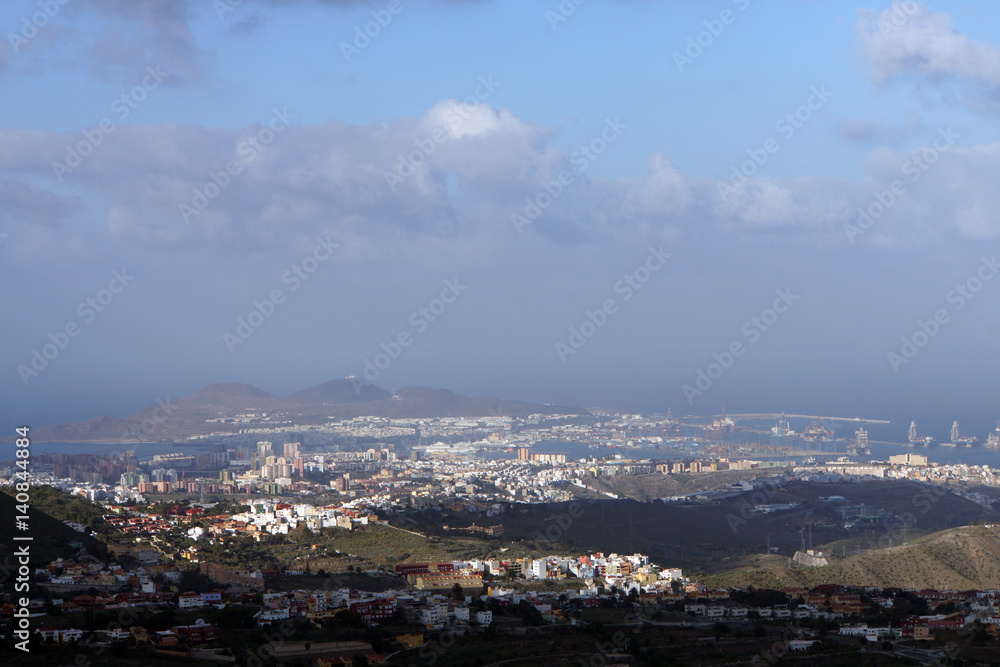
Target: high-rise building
x: 291, y: 450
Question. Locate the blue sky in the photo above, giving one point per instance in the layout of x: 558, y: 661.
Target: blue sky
x: 331, y: 132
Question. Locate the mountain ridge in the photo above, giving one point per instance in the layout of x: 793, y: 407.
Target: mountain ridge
x: 225, y: 407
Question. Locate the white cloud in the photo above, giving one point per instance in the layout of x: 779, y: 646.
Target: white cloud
x: 458, y: 201
x: 910, y: 40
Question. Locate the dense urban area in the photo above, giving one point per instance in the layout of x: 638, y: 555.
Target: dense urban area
x: 401, y: 544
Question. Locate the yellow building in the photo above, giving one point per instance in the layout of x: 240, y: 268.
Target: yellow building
x: 411, y: 639
x: 427, y: 581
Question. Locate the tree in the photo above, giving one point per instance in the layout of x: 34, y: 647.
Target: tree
x: 457, y: 593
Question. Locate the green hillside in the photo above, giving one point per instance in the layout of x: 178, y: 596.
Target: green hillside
x: 51, y: 538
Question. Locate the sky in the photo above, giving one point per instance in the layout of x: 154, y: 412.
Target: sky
x: 782, y: 206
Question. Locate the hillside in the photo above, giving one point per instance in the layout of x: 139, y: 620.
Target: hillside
x: 222, y: 408
x: 956, y: 559
x: 51, y: 538
x: 337, y: 392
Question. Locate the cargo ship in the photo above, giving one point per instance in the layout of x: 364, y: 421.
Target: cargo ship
x: 860, y: 444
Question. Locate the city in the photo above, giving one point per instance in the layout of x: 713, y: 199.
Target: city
x: 499, y: 333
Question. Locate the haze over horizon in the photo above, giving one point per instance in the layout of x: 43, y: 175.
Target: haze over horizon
x: 587, y: 207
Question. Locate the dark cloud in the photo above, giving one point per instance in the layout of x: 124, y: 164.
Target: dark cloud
x: 873, y: 133
x: 26, y: 203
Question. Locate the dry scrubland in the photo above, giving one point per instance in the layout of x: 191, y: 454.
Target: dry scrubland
x: 957, y: 559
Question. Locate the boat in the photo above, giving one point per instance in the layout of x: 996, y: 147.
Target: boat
x: 860, y: 444
x: 993, y: 440
x: 782, y: 429
x: 961, y: 440
x: 816, y: 433
x: 926, y: 441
